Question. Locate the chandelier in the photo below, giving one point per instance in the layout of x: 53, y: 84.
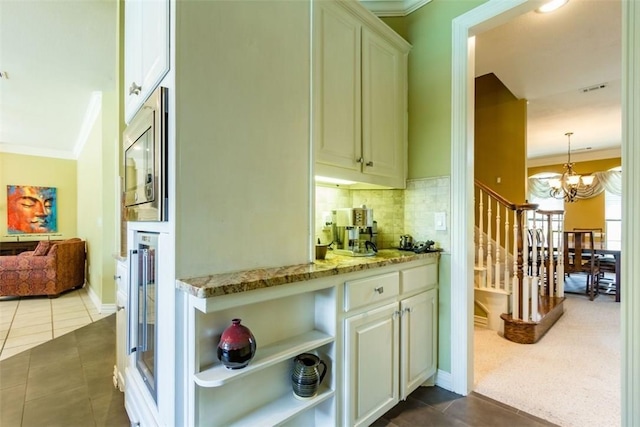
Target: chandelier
x: 570, y: 183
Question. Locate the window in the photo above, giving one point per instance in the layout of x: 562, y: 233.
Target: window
x: 547, y: 204
x: 613, y: 220
x: 613, y: 217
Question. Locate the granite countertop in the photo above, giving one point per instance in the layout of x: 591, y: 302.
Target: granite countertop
x: 243, y: 281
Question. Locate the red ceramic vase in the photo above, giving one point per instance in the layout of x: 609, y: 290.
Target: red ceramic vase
x: 237, y: 346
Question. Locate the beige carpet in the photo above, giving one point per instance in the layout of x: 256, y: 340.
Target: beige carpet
x: 571, y: 377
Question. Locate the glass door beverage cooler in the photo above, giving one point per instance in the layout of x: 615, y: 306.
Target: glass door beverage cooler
x: 143, y: 333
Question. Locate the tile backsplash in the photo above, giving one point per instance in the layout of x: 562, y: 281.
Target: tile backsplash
x: 397, y: 212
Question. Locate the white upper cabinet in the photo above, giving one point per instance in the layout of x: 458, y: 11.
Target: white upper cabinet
x: 146, y: 50
x: 360, y: 96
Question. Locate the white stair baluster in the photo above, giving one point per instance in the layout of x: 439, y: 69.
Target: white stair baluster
x: 481, y: 232
x: 515, y: 298
x: 506, y: 281
x: 498, y: 246
x: 489, y: 247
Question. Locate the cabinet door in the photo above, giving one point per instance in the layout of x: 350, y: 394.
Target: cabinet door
x: 383, y: 108
x: 132, y: 56
x: 418, y: 340
x: 337, y: 87
x: 121, y: 340
x: 372, y: 364
x: 146, y: 50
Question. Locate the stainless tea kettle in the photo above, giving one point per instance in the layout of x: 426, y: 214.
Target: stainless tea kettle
x: 406, y: 242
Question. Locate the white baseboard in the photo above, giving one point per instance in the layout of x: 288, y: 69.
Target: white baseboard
x: 97, y: 302
x: 443, y: 380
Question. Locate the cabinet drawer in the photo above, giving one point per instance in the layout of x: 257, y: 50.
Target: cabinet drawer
x: 419, y: 278
x: 362, y: 292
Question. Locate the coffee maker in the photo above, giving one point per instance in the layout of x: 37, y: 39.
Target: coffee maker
x: 354, y: 231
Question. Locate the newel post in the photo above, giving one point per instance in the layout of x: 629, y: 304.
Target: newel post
x: 520, y: 256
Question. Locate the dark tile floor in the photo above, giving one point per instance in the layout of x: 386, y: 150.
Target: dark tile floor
x: 64, y: 382
x: 68, y: 382
x: 436, y: 407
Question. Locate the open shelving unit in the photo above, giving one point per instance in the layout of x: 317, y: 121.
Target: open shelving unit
x: 218, y: 375
x: 283, y: 409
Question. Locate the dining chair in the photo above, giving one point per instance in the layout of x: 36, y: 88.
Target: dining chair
x: 579, y: 257
x: 607, y: 262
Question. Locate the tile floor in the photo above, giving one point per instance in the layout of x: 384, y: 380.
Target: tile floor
x: 79, y: 390
x: 66, y: 381
x: 26, y: 322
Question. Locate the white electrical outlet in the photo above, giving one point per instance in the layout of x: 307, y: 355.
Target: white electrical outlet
x: 440, y: 221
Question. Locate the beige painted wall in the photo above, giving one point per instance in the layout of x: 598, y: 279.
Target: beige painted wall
x: 18, y: 169
x: 587, y: 213
x: 242, y: 196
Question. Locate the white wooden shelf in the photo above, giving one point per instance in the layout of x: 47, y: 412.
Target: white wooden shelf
x: 282, y: 410
x: 217, y: 375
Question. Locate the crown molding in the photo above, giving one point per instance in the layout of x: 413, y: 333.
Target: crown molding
x: 91, y: 115
x: 393, y: 7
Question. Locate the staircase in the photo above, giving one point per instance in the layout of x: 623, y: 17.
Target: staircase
x: 518, y: 273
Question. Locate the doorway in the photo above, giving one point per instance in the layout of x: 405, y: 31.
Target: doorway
x: 486, y: 16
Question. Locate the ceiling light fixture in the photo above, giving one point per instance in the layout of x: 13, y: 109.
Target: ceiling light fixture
x: 551, y: 6
x: 570, y: 183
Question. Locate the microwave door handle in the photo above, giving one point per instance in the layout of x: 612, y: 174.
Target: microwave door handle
x: 132, y: 301
x: 145, y: 285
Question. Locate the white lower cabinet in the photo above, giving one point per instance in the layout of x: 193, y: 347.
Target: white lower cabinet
x: 372, y: 361
x: 122, y: 284
x: 376, y: 334
x: 391, y: 343
x: 418, y: 337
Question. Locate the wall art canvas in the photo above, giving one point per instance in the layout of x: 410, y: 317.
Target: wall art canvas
x: 31, y: 209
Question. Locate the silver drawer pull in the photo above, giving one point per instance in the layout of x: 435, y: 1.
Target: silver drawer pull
x: 379, y: 290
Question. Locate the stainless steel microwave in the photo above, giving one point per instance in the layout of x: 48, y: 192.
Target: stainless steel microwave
x: 145, y: 161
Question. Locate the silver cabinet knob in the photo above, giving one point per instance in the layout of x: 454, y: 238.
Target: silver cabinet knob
x: 360, y: 160
x: 116, y: 277
x: 379, y: 290
x: 369, y: 164
x: 135, y: 89
x: 119, y: 307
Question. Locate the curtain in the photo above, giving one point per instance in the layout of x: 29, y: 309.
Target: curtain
x: 610, y: 181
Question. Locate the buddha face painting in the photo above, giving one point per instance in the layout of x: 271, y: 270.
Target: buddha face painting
x: 31, y: 209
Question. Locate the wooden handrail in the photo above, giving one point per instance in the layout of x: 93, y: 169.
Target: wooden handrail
x: 503, y: 201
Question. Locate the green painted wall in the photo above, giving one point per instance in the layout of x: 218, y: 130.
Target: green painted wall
x: 97, y: 200
x: 429, y: 31
x: 18, y: 169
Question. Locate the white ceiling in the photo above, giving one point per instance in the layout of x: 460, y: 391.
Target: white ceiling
x: 547, y: 59
x: 58, y: 54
